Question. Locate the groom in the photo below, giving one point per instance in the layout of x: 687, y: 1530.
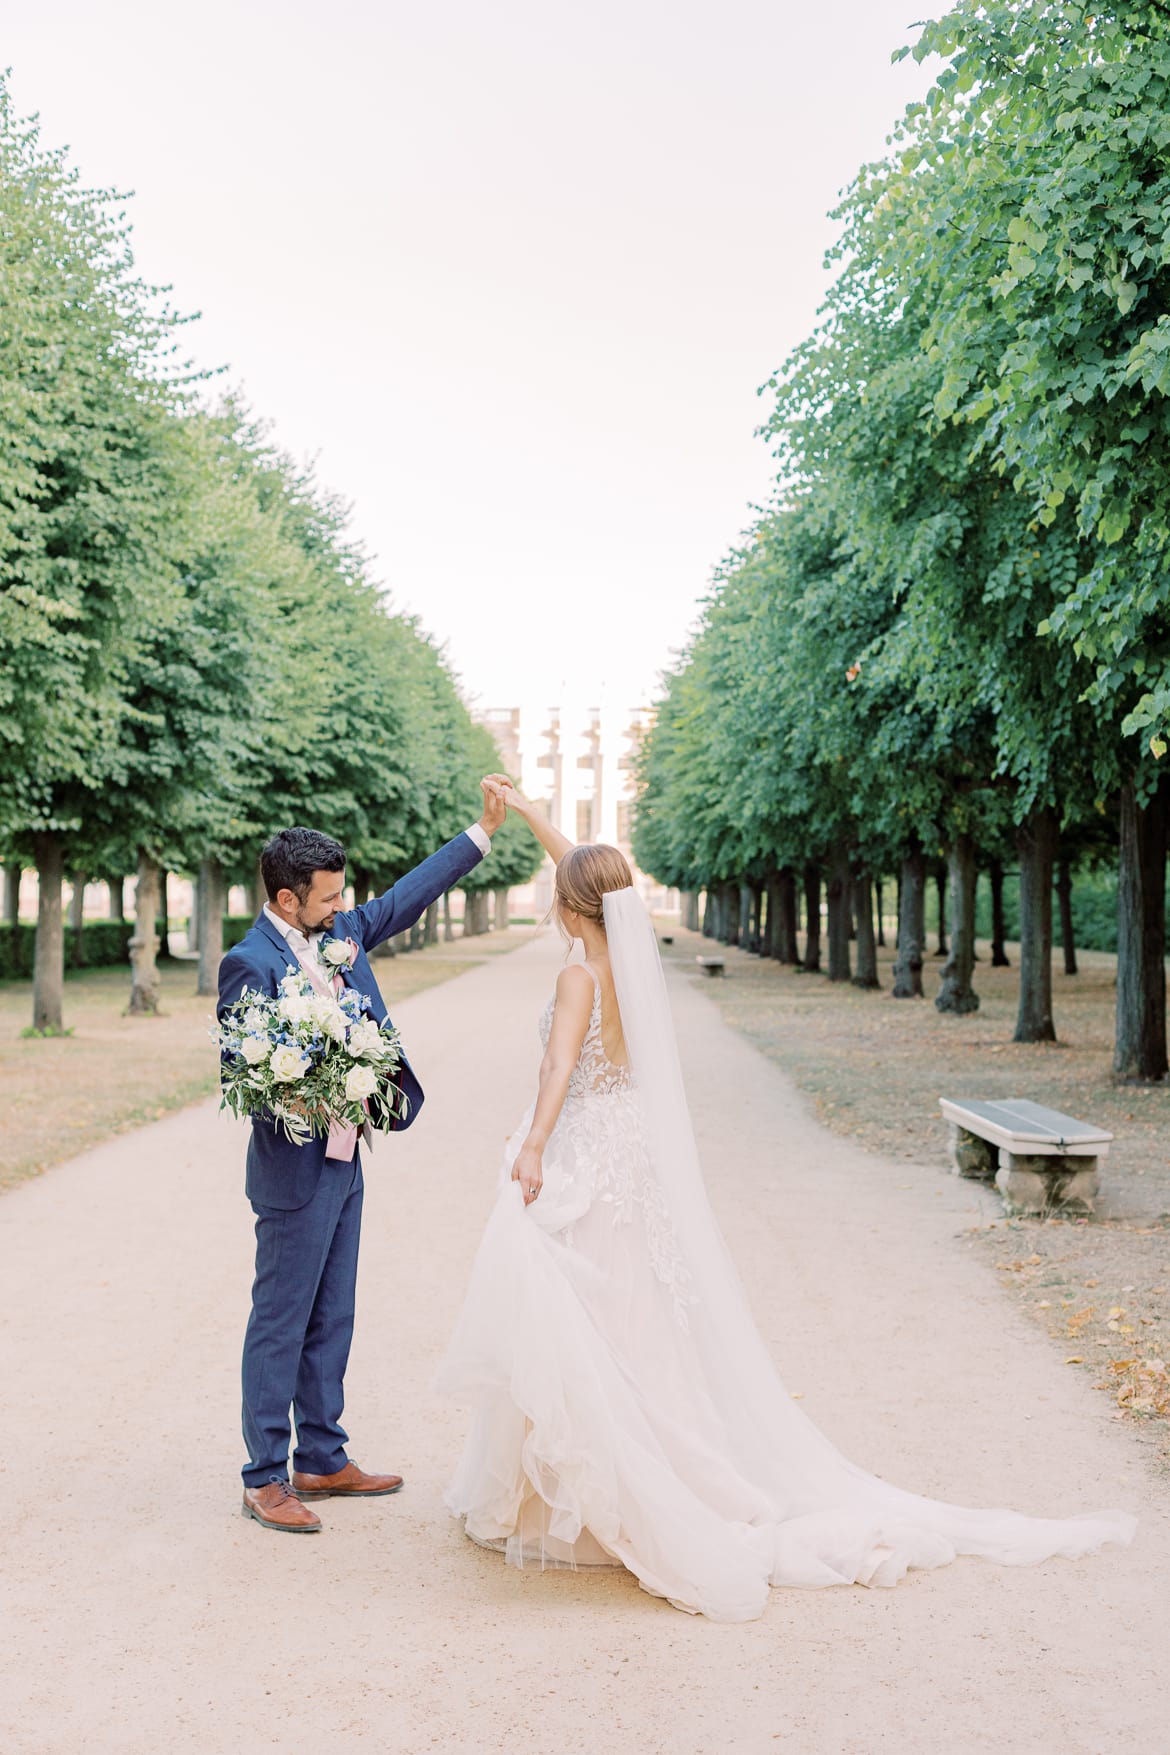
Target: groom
x: 308, y: 1198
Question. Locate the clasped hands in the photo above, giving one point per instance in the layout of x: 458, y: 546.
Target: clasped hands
x: 498, y: 793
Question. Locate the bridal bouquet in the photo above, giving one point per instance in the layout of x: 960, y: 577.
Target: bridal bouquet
x: 304, y: 1060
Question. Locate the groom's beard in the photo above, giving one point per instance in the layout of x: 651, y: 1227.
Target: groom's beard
x: 308, y: 926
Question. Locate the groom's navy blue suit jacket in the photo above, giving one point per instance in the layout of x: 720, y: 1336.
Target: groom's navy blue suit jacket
x: 281, y: 1174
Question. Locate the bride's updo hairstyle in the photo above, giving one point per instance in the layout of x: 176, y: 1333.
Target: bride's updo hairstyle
x: 586, y: 874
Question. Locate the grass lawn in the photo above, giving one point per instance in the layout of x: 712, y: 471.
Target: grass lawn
x: 60, y: 1095
x: 874, y: 1068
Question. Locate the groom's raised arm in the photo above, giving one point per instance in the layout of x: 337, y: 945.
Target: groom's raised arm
x: 406, y: 901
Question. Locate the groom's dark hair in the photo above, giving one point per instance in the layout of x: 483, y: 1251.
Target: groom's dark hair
x: 293, y: 855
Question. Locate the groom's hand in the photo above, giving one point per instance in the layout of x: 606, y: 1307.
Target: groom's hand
x: 494, y: 809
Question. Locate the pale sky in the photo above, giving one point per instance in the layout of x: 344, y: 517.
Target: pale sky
x: 511, y: 271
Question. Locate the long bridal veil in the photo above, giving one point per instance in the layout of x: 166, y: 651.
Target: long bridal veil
x: 821, y: 1519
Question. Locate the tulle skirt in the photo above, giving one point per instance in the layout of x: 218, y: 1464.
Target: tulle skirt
x: 598, y: 1436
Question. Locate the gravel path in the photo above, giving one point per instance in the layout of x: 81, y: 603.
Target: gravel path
x: 142, y: 1614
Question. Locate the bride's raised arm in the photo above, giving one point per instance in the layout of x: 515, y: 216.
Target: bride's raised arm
x: 553, y: 842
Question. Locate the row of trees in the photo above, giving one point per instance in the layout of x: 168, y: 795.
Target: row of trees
x: 950, y: 636
x: 195, y: 653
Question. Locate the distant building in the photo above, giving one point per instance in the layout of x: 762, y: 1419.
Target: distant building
x: 579, y: 762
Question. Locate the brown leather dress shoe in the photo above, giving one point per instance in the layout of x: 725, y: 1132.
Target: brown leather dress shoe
x: 348, y: 1483
x: 277, y: 1507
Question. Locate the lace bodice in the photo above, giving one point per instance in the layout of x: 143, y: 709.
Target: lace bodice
x: 594, y: 1075
x: 597, y: 1158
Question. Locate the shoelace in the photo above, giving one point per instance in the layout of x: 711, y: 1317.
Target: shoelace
x: 287, y: 1491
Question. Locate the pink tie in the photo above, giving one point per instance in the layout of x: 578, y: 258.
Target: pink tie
x: 342, y: 1141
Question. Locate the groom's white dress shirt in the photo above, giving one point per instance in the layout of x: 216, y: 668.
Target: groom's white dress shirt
x: 342, y: 1135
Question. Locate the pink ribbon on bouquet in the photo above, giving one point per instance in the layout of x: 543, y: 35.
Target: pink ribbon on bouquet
x: 343, y: 1135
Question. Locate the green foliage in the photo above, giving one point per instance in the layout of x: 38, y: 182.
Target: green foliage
x: 195, y: 652
x: 1030, y: 198
x: 958, y: 610
x: 86, y: 390
x: 234, y: 928
x: 101, y: 944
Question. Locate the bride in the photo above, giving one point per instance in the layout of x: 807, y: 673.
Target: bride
x: 627, y: 1410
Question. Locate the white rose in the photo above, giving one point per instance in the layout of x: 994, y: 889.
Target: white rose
x: 360, y: 1081
x: 288, y: 1063
x: 366, y: 1039
x: 296, y: 1008
x: 254, y: 1049
x: 333, y: 1023
x: 336, y: 952
x: 254, y: 1020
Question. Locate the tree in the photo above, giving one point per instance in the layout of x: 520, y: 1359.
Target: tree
x: 85, y: 493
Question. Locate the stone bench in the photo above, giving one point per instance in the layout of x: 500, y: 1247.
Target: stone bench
x: 1039, y: 1158
x: 710, y: 965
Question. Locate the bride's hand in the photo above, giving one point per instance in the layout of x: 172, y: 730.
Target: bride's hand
x: 515, y: 800
x: 528, y: 1173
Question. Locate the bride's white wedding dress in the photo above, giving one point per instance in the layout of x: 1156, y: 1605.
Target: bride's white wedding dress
x: 626, y: 1409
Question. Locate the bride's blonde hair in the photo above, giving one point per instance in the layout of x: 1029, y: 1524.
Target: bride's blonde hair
x: 586, y: 874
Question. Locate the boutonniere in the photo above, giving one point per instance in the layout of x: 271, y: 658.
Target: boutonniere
x: 336, y: 953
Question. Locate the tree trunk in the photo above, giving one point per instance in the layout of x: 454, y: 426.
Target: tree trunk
x: 940, y: 883
x: 690, y: 910
x: 999, y: 956
x: 881, y: 917
x: 911, y: 926
x: 144, y: 944
x: 730, y: 919
x: 212, y: 900
x: 431, y: 931
x: 1037, y: 842
x: 164, y: 915
x: 416, y: 937
x: 838, y: 901
x: 1068, y: 943
x: 77, y: 903
x: 117, y: 889
x: 746, y: 902
x: 12, y: 876
x: 784, y: 945
x: 502, y: 907
x: 956, y: 993
x: 195, y: 918
x: 49, y: 963
x: 812, y: 918
x: 757, y: 939
x: 448, y: 928
x: 770, y: 909
x: 710, y: 912
x: 1139, y: 1050
x: 475, y: 913
x: 867, y: 969
x: 257, y: 895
